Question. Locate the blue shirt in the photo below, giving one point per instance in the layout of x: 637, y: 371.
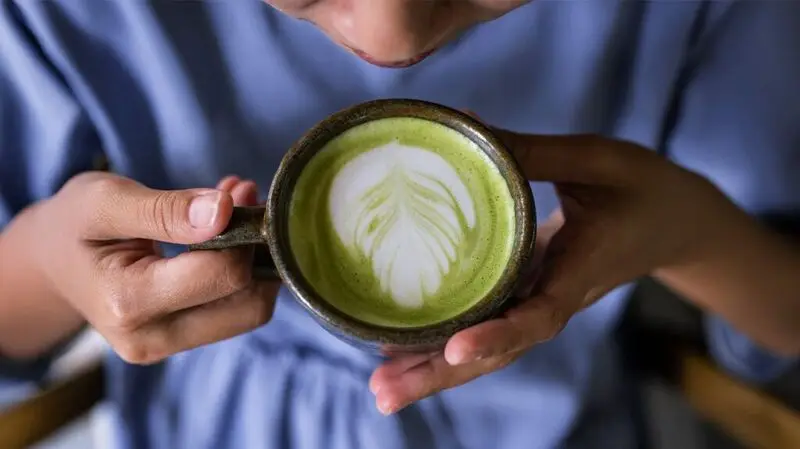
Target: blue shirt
x: 179, y: 94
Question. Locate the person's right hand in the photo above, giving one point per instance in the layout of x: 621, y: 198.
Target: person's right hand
x: 97, y: 248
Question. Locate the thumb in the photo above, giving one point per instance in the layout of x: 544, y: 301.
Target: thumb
x: 578, y: 159
x: 123, y: 209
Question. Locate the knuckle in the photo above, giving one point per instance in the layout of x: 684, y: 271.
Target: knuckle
x: 97, y: 190
x: 121, y: 309
x: 613, y: 162
x: 238, y: 278
x: 607, y: 158
x: 555, y: 322
x: 103, y: 189
x: 156, y: 212
x: 237, y: 273
x: 504, y: 360
x: 87, y: 182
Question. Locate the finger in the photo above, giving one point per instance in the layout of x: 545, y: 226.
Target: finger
x: 428, y: 378
x: 396, y: 367
x: 170, y: 285
x: 151, y: 287
x: 216, y: 321
x: 544, y: 233
x: 245, y: 193
x: 579, y: 159
x: 227, y: 183
x: 501, y: 335
x: 534, y: 321
x: 113, y: 207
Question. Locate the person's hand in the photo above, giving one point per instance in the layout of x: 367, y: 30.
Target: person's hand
x: 625, y: 213
x: 98, y: 250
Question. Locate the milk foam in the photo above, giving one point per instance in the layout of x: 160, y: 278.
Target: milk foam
x: 406, y: 210
x: 401, y: 222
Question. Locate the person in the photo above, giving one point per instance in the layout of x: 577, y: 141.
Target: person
x: 655, y: 134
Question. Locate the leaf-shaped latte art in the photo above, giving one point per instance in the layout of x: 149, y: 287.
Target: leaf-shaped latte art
x: 407, y: 211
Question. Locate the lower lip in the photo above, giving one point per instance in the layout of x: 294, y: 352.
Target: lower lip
x: 395, y: 64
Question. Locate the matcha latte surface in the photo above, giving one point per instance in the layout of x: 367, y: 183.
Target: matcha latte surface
x: 401, y: 222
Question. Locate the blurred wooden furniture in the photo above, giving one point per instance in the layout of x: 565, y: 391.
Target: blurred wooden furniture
x: 672, y: 351
x: 39, y: 417
x: 754, y: 417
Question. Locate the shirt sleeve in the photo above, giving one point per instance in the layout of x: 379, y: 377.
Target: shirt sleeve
x: 737, y: 121
x: 45, y: 138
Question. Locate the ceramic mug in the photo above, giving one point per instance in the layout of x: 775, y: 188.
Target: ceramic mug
x: 267, y: 227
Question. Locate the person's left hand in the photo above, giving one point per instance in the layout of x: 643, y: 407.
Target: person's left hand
x: 625, y: 213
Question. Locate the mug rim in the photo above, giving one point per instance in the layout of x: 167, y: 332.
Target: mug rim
x: 280, y: 195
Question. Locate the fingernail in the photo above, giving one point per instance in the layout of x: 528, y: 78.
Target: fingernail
x: 385, y: 408
x: 460, y: 357
x: 203, y: 209
x: 456, y: 357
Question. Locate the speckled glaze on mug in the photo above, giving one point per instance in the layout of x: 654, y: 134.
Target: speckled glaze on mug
x: 258, y: 225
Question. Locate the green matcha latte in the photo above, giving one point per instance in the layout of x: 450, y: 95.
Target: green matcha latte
x: 401, y: 222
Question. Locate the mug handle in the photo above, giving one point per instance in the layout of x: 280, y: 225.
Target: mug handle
x: 246, y: 228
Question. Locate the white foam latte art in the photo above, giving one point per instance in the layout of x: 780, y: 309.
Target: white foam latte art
x: 407, y: 210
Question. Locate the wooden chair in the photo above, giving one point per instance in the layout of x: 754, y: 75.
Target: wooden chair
x: 672, y: 352
x: 754, y: 417
x: 39, y: 417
